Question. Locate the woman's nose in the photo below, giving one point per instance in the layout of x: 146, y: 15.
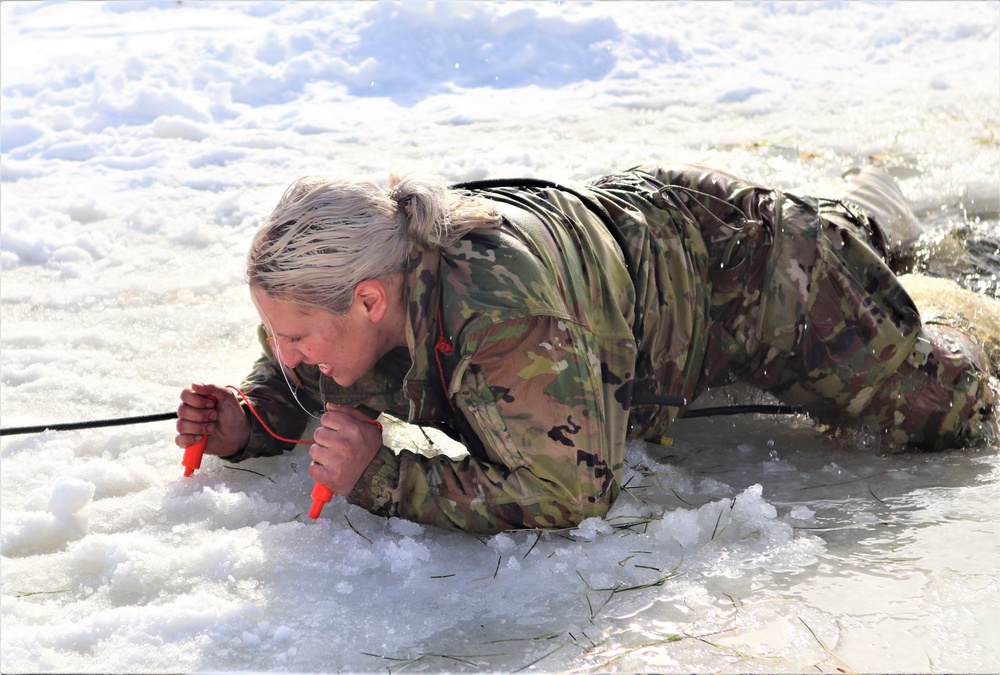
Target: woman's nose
x: 290, y: 356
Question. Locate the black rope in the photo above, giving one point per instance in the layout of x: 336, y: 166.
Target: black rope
x: 743, y: 410
x: 162, y: 417
x: 94, y: 424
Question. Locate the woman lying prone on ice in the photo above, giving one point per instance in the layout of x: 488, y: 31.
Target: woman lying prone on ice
x: 545, y: 326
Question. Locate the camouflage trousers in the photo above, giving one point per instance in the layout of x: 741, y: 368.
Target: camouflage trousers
x: 808, y: 309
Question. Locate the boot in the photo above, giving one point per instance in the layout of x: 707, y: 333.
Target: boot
x: 944, y: 302
x: 876, y: 192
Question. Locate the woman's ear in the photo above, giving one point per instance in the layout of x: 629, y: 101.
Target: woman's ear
x: 372, y: 297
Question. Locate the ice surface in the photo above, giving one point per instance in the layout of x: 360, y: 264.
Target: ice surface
x: 142, y: 142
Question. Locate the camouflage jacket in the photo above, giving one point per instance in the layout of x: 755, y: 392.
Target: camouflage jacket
x: 521, y: 340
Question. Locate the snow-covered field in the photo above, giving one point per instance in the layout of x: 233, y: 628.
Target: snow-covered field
x: 142, y: 142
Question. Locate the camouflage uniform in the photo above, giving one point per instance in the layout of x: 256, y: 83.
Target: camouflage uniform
x: 521, y: 341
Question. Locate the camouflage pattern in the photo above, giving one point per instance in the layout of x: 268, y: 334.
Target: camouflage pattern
x: 520, y: 340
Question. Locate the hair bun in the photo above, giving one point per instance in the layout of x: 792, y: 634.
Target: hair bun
x: 423, y: 204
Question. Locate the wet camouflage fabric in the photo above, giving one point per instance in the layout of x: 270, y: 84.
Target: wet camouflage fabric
x: 521, y: 341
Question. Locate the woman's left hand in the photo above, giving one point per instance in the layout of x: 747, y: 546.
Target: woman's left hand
x: 343, y: 447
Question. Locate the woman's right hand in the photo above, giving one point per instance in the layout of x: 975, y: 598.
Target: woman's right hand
x: 215, y: 412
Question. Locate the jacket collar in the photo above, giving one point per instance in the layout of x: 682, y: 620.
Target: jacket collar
x: 422, y: 384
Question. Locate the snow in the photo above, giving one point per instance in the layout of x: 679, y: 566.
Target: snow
x: 142, y: 142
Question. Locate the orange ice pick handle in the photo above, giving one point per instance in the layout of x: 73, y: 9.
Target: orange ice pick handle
x: 321, y: 495
x: 194, y: 453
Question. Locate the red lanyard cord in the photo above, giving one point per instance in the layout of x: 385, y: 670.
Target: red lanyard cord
x: 321, y: 494
x: 260, y: 419
x: 269, y: 430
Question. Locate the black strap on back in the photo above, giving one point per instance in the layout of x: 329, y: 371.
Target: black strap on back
x: 598, y: 210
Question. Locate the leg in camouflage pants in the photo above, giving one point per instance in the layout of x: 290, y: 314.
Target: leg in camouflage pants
x: 822, y: 322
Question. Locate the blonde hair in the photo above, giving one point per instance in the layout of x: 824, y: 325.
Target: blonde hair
x: 326, y: 236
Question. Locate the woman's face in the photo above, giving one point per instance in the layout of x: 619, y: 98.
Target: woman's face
x: 344, y: 347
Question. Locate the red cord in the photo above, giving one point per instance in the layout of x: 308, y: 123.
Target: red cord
x: 321, y: 493
x: 270, y: 431
x: 262, y: 422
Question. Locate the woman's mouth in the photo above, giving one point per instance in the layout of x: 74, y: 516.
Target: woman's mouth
x: 325, y: 369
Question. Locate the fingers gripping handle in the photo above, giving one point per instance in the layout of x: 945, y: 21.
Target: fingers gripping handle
x: 321, y: 494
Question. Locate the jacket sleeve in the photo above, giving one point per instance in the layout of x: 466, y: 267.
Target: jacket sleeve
x: 275, y: 402
x: 533, y: 392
